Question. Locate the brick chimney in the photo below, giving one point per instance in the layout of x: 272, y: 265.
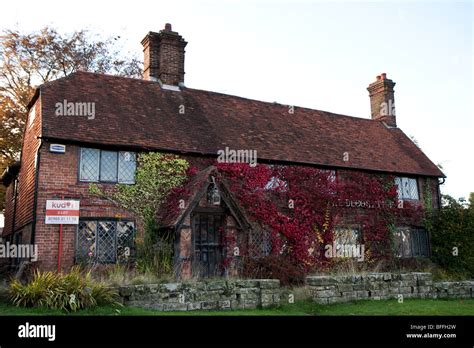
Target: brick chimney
x: 164, y: 57
x: 382, y: 100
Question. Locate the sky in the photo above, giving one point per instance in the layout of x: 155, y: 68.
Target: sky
x: 316, y: 54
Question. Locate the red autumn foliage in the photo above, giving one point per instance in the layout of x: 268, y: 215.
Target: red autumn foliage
x: 304, y: 205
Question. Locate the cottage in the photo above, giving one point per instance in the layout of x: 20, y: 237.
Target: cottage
x: 62, y: 155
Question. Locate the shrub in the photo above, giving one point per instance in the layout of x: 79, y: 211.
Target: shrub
x: 71, y: 292
x: 274, y: 267
x: 454, y: 228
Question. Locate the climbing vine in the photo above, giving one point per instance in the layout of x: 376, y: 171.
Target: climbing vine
x: 302, y: 206
x: 157, y: 175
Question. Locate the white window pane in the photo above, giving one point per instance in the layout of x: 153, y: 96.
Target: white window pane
x: 413, y: 188
x: 407, y: 188
x: 108, y: 166
x: 344, y: 235
x: 127, y: 167
x: 106, y: 237
x: 89, y: 170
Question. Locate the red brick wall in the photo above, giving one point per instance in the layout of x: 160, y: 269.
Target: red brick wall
x: 8, y: 210
x: 59, y: 178
x: 26, y: 176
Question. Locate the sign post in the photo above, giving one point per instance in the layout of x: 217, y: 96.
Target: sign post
x: 62, y: 212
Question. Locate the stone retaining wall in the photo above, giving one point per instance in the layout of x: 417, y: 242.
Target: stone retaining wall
x: 203, y: 295
x: 378, y: 286
x: 262, y: 293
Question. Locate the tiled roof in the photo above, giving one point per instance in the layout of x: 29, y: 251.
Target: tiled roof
x: 138, y: 113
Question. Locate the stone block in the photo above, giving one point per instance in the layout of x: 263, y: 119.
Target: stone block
x: 208, y: 305
x: 320, y: 280
x: 361, y: 294
x: 424, y: 289
x: 359, y: 287
x: 236, y: 304
x: 324, y: 293
x: 168, y: 307
x: 194, y: 306
x: 269, y: 283
x: 344, y: 287
x: 408, y: 276
x: 217, y: 285
x: 246, y: 283
x: 321, y: 300
x: 250, y: 304
x: 170, y: 287
x: 423, y: 276
x: 224, y: 304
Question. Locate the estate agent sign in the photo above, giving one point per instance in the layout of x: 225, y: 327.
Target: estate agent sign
x: 62, y: 212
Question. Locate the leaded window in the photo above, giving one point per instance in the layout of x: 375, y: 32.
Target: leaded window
x: 105, y: 241
x: 347, y: 235
x: 260, y: 243
x: 407, y: 188
x: 107, y: 166
x: 89, y: 167
x: 126, y: 167
x: 411, y: 242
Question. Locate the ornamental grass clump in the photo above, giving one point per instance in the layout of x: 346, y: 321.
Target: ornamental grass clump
x: 70, y: 292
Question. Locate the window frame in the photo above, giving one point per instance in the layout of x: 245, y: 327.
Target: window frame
x: 349, y: 228
x: 99, y: 162
x: 400, y: 178
x: 81, y: 153
x: 97, y: 221
x: 116, y: 167
x: 413, y: 233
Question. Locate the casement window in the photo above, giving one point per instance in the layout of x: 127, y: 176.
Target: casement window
x: 347, y: 235
x: 105, y: 241
x: 260, y: 243
x: 107, y: 166
x: 407, y: 188
x: 411, y: 242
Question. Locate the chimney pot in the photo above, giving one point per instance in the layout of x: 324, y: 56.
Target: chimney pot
x: 378, y: 77
x: 384, y: 76
x: 168, y: 27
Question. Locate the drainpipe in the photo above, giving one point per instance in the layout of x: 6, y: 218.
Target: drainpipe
x: 439, y: 192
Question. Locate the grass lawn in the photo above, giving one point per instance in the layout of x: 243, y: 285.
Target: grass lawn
x: 388, y: 307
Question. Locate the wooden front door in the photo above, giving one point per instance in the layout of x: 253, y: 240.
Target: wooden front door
x: 208, y: 244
